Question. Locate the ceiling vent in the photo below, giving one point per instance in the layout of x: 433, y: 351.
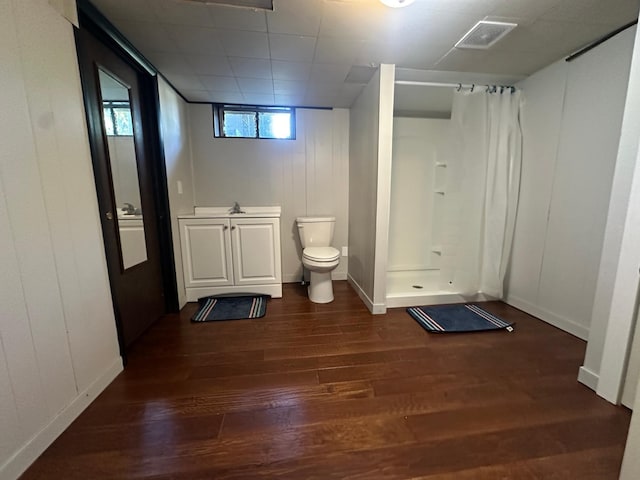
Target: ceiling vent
x: 254, y: 4
x: 485, y: 34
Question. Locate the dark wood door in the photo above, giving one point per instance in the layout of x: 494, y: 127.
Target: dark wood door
x: 122, y: 160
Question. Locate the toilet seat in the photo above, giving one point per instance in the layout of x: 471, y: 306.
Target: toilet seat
x: 321, y: 254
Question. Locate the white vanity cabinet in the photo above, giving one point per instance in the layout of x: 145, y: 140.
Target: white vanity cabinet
x: 231, y: 253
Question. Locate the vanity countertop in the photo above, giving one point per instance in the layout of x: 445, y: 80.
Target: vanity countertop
x: 225, y: 212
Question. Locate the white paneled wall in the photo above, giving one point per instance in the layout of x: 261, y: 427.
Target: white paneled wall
x: 305, y: 176
x: 174, y: 119
x: 370, y: 154
x: 58, y: 344
x: 363, y: 189
x: 571, y: 132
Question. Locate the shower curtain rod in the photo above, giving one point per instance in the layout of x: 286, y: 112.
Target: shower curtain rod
x: 450, y: 85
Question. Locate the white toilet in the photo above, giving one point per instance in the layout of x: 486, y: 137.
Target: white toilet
x: 318, y: 256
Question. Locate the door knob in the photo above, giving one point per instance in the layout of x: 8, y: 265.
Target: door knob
x: 109, y: 216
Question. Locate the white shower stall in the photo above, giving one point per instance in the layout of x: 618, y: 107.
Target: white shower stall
x: 418, y: 189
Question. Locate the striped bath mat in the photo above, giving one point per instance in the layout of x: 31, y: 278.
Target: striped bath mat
x: 457, y: 318
x: 230, y: 308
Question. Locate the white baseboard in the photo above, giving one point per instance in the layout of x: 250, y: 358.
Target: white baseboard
x: 23, y: 458
x: 562, y: 323
x: 376, y: 309
x: 588, y: 378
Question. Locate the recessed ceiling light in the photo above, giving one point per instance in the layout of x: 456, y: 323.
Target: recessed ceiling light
x: 397, y: 3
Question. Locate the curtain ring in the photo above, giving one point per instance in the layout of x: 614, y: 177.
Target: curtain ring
x: 513, y: 90
x: 501, y: 89
x: 473, y: 86
x: 459, y: 87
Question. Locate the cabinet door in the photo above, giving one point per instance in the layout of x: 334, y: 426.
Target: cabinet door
x: 206, y: 252
x: 256, y: 250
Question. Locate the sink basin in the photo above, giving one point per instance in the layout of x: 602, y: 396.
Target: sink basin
x: 247, y: 212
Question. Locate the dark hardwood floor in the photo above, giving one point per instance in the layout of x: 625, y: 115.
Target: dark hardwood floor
x: 332, y: 392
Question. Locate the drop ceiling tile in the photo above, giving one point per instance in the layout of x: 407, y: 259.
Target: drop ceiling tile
x: 147, y: 36
x: 337, y: 50
x: 462, y: 60
x: 185, y: 82
x: 131, y: 10
x: 197, y: 95
x: 238, y: 18
x: 255, y: 85
x: 285, y: 87
x: 295, y: 17
x: 182, y: 13
x: 203, y: 64
x: 239, y: 43
x: 329, y: 72
x: 523, y: 8
x: 555, y: 38
x: 325, y: 89
x: 516, y: 63
x: 407, y: 55
x: 444, y: 28
x: 292, y: 48
x: 258, y: 99
x: 289, y: 100
x: 323, y: 101
x: 251, y: 67
x: 169, y: 62
x: 355, y: 20
x: 219, y: 84
x: 293, y: 71
x: 196, y: 40
x: 226, y: 97
x: 612, y: 12
x: 468, y: 7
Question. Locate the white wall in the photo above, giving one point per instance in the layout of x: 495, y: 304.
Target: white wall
x: 305, y: 176
x: 58, y: 345
x: 174, y: 121
x: 571, y: 131
x: 370, y: 154
x: 616, y: 292
x: 417, y: 147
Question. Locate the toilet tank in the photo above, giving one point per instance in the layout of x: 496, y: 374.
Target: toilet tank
x: 315, y: 231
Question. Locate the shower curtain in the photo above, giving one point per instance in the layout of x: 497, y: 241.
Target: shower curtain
x: 483, y: 181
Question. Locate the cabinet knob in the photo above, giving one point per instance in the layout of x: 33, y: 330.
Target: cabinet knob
x: 225, y: 227
x: 233, y: 228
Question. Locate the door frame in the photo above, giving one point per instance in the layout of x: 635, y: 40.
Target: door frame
x: 92, y: 21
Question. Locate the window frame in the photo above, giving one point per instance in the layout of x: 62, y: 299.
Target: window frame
x: 219, y: 110
x: 111, y: 105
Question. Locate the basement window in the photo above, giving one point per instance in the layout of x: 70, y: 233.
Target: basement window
x: 250, y: 121
x: 117, y: 118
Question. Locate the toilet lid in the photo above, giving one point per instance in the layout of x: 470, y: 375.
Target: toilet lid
x: 321, y: 254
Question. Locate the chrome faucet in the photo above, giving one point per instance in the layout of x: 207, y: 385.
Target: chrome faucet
x: 236, y: 208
